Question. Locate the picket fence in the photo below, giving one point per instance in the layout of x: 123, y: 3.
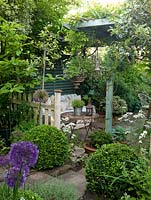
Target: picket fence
x: 44, y: 113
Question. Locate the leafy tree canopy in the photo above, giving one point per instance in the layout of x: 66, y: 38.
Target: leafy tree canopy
x: 133, y: 31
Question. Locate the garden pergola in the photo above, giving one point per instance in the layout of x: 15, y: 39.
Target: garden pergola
x: 99, y: 30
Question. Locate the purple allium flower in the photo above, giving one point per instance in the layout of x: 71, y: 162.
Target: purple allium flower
x: 4, y: 160
x: 15, y: 177
x: 23, y: 154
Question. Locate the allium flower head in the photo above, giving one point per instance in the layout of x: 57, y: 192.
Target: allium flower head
x: 23, y: 154
x: 4, y: 160
x: 14, y: 176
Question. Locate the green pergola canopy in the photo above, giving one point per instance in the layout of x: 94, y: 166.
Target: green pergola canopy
x: 98, y: 29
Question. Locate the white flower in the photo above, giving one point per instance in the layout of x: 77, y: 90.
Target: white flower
x: 140, y: 141
x: 22, y: 198
x: 127, y: 132
x: 73, y: 136
x: 142, y: 135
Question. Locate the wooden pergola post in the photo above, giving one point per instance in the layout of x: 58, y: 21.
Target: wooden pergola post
x: 57, y: 108
x: 109, y: 100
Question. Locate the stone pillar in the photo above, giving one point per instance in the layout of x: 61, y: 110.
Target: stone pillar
x: 57, y: 110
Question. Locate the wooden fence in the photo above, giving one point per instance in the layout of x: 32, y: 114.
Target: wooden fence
x: 44, y: 113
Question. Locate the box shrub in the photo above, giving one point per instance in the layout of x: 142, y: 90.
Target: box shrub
x: 100, y: 137
x: 115, y: 169
x: 52, y: 143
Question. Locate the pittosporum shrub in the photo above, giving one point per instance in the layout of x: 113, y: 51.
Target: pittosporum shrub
x: 119, y: 105
x: 52, y: 143
x: 115, y: 169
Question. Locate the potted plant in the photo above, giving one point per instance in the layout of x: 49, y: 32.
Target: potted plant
x: 77, y: 105
x: 77, y: 68
x: 96, y: 139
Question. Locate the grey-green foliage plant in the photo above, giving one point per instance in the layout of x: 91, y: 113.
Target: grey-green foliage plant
x: 115, y: 169
x: 52, y: 143
x: 55, y: 189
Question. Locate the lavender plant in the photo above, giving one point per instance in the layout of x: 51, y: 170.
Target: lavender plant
x: 21, y: 157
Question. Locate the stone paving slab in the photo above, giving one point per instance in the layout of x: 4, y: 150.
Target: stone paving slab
x: 38, y: 177
x: 77, y: 179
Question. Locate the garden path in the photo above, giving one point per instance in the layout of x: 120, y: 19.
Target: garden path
x: 76, y: 178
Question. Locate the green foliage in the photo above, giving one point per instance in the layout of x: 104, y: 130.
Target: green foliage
x: 19, y: 11
x: 3, y: 148
x: 9, y: 117
x: 20, y: 129
x: 16, y: 73
x: 78, y: 66
x: 100, y: 137
x: 52, y: 143
x: 115, y: 169
x: 7, y: 194
x: 77, y: 103
x: 95, y: 88
x: 77, y: 41
x: 28, y: 195
x: 55, y: 190
x: 119, y: 105
x: 51, y: 12
x: 131, y: 81
x: 119, y: 134
x: 134, y: 31
x: 24, y: 126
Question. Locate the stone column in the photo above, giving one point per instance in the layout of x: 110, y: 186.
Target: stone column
x: 57, y: 110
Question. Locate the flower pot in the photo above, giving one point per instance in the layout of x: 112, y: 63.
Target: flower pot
x: 77, y: 80
x: 77, y: 111
x: 88, y: 148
